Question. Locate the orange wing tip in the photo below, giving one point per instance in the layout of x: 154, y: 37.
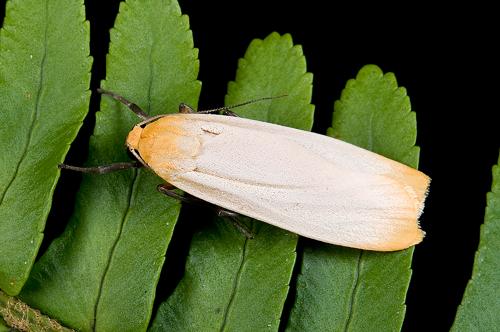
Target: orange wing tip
x: 403, y: 239
x: 423, y: 196
x: 413, y: 235
x: 417, y: 187
x: 397, y: 245
x: 421, y: 204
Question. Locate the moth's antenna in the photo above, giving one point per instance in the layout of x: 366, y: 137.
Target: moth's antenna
x: 133, y: 107
x: 228, y: 108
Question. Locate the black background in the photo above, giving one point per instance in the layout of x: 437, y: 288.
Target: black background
x: 443, y: 56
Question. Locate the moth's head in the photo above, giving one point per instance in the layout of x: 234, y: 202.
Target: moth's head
x: 133, y: 138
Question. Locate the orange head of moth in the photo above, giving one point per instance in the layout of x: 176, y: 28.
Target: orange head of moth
x: 133, y: 138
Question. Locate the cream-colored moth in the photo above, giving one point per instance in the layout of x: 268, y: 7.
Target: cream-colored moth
x: 313, y: 185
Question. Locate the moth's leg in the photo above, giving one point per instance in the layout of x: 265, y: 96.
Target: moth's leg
x: 104, y: 168
x: 233, y: 217
x: 133, y: 107
x: 186, y: 109
x: 168, y: 190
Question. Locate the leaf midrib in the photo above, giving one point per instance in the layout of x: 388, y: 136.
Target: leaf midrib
x: 357, y: 272
x: 131, y: 197
x: 34, y: 114
x: 354, y: 291
x: 236, y: 284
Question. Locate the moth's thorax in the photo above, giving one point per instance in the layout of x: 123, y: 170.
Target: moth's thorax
x: 166, y: 146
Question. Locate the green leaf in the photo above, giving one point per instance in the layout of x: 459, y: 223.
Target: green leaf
x: 343, y: 289
x: 480, y: 306
x: 44, y: 80
x: 233, y: 283
x: 274, y: 67
x: 101, y: 274
x: 3, y: 326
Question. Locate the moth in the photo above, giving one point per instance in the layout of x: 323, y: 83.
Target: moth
x: 312, y: 185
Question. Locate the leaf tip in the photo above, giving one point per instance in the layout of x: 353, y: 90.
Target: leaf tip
x: 369, y: 71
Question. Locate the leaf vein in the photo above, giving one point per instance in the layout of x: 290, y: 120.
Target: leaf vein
x: 354, y: 290
x: 35, y: 114
x: 115, y: 243
x: 236, y: 284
